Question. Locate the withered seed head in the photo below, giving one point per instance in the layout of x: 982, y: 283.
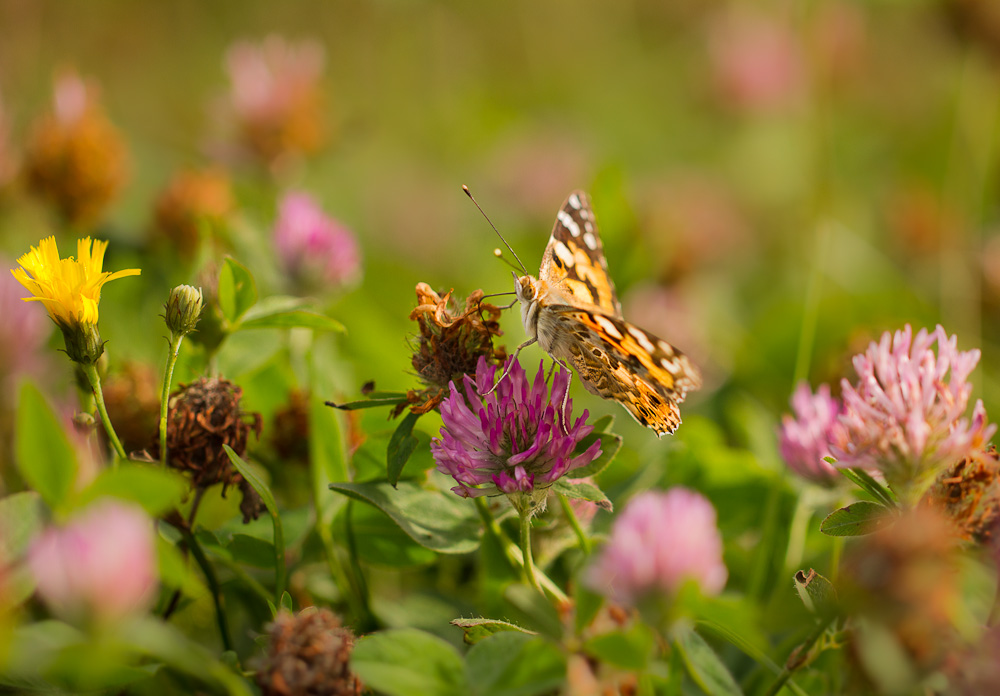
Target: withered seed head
x: 308, y: 653
x: 290, y: 428
x: 203, y: 416
x: 905, y: 578
x: 968, y: 493
x: 450, y: 343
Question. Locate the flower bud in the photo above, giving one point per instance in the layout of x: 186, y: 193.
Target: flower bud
x: 183, y: 309
x: 83, y: 342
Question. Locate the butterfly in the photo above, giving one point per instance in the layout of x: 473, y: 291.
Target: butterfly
x: 572, y: 311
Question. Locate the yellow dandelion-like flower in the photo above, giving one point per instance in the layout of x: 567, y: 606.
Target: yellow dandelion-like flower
x: 69, y: 288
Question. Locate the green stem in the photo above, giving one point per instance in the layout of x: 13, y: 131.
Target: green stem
x: 581, y: 536
x: 529, y: 566
x: 513, y: 551
x: 168, y: 378
x: 90, y: 370
x: 213, y: 585
x: 799, y: 653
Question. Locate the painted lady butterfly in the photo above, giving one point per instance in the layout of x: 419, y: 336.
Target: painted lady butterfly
x: 572, y: 311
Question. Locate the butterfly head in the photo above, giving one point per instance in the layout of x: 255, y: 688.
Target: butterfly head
x: 527, y: 290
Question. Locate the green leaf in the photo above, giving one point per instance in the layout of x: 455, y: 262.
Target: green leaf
x: 286, y: 602
x: 582, y: 491
x: 251, y: 550
x: 514, y: 664
x: 759, y: 655
x: 610, y: 445
x: 630, y: 650
x: 437, y: 520
x: 475, y: 630
x: 385, y: 544
x: 409, y: 662
x: 237, y: 290
x: 175, y: 571
x: 867, y: 483
x: 250, y: 474
x: 156, y: 489
x: 386, y: 399
x: 401, y: 446
x: 21, y: 517
x: 45, y: 457
x: 704, y: 666
x: 857, y: 519
x: 816, y: 592
x: 604, y: 423
x: 280, y: 312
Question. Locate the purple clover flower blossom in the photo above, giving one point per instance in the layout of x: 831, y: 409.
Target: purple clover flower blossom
x: 314, y: 248
x: 513, y: 442
x: 805, y: 439
x: 905, y: 416
x: 659, y: 541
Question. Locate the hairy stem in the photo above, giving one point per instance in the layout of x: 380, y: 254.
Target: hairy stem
x: 90, y: 370
x: 168, y: 377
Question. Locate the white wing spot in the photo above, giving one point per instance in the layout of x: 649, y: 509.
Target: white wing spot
x: 608, y: 326
x: 588, y: 225
x: 564, y: 254
x: 585, y: 214
x: 569, y: 223
x: 643, y: 340
x: 666, y: 347
x: 590, y: 240
x: 574, y: 202
x: 669, y: 366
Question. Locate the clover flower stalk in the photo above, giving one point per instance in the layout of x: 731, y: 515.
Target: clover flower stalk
x: 905, y: 416
x: 518, y: 441
x: 70, y: 289
x: 183, y: 310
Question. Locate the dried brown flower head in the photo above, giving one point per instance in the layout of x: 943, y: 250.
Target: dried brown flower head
x: 203, y: 416
x: 290, y: 428
x: 450, y: 343
x: 75, y: 158
x: 192, y: 200
x: 133, y: 401
x: 968, y: 494
x: 976, y: 20
x: 903, y: 579
x: 308, y: 653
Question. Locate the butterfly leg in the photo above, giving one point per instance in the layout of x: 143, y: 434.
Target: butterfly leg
x: 512, y: 359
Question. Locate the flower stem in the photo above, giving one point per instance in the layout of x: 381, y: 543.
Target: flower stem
x: 797, y: 658
x: 90, y: 370
x: 168, y: 377
x: 581, y: 536
x: 529, y: 565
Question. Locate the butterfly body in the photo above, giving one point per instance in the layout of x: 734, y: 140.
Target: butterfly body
x: 572, y: 310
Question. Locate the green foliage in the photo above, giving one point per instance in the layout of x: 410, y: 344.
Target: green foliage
x: 857, y: 519
x: 44, y: 456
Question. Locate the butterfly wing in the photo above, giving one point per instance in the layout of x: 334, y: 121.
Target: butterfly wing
x: 617, y: 360
x: 574, y: 263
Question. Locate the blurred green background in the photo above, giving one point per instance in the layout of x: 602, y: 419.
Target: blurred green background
x: 777, y: 183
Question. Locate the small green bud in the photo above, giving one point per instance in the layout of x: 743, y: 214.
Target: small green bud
x: 83, y: 342
x: 183, y: 309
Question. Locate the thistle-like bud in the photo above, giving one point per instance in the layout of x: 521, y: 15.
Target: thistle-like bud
x: 183, y: 309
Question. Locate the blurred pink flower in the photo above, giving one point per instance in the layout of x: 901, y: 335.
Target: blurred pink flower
x: 316, y: 250
x: 905, y: 416
x: 659, y: 541
x: 757, y: 62
x: 275, y: 95
x: 805, y: 439
x: 102, y: 565
x: 23, y: 331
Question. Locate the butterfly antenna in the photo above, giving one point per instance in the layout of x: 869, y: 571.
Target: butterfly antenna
x: 472, y: 198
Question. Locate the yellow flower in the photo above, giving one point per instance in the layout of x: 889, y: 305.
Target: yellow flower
x: 69, y: 288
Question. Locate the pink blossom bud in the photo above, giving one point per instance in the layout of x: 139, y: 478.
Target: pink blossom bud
x: 102, y: 565
x: 660, y: 540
